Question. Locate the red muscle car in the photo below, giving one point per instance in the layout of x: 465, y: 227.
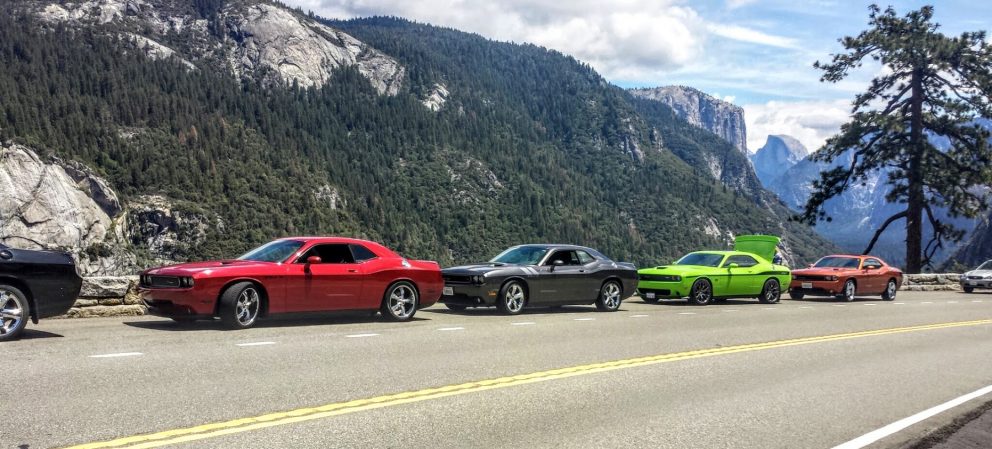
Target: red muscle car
x: 290, y: 275
x: 846, y: 277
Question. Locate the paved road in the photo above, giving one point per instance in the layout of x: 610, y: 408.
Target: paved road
x: 686, y: 377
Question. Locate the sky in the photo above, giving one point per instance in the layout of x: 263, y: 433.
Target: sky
x: 758, y: 54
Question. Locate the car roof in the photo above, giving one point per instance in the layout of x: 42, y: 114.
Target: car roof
x: 328, y: 239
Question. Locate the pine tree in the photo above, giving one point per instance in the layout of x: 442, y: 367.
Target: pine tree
x: 932, y: 86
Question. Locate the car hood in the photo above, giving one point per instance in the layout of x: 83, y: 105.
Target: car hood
x: 823, y: 271
x: 678, y: 270
x: 475, y: 269
x: 189, y: 269
x: 979, y: 273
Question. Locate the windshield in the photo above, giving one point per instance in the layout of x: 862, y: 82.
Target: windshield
x: 701, y: 260
x: 838, y: 262
x: 276, y: 251
x: 521, y: 255
x: 985, y: 266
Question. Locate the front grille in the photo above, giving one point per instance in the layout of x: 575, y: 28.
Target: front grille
x: 162, y: 282
x: 807, y: 277
x: 456, y: 279
x: 658, y: 278
x: 976, y: 278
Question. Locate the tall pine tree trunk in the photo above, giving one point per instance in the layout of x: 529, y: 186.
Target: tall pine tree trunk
x: 915, y: 198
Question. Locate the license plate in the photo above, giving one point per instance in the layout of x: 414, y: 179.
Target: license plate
x: 448, y: 291
x: 649, y: 295
x: 807, y: 285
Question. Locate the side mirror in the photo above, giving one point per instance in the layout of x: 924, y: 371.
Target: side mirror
x: 809, y: 266
x: 556, y: 264
x: 313, y: 260
x: 734, y: 265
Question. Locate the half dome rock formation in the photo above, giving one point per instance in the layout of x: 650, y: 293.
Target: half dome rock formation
x: 779, y: 154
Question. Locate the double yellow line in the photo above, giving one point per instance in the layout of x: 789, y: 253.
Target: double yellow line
x: 218, y: 429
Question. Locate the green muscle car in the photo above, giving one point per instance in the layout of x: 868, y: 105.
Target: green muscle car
x: 707, y: 276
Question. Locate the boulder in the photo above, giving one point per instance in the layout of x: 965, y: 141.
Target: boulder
x: 105, y: 287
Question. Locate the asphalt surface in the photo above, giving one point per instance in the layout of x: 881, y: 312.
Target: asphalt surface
x: 154, y: 376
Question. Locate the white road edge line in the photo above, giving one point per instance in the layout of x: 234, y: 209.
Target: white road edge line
x: 805, y: 307
x: 890, y: 429
x: 728, y: 310
x: 360, y: 335
x: 899, y: 303
x: 116, y: 354
x: 927, y: 302
x: 638, y: 316
x: 584, y: 319
x: 687, y: 313
x: 444, y: 329
x: 522, y: 323
x: 869, y: 304
x: 256, y: 343
x: 977, y: 300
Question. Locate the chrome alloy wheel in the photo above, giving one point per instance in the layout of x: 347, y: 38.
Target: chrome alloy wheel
x: 11, y: 311
x: 611, y: 295
x: 402, y: 301
x: 891, y: 290
x: 703, y: 293
x: 849, y: 290
x: 514, y: 298
x: 247, y: 307
x: 772, y: 292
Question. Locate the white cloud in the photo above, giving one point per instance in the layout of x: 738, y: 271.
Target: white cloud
x: 734, y: 4
x: 621, y: 39
x: 811, y: 122
x: 743, y: 34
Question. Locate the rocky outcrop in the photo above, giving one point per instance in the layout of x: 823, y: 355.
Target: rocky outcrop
x: 167, y: 232
x: 779, y: 154
x: 51, y: 204
x: 253, y: 37
x: 716, y: 116
x: 436, y: 97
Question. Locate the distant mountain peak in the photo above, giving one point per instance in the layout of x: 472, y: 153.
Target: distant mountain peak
x: 779, y: 154
x: 703, y: 110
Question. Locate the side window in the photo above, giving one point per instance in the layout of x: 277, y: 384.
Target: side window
x: 872, y: 262
x: 584, y: 257
x: 741, y: 260
x: 362, y: 253
x: 567, y: 257
x: 333, y: 253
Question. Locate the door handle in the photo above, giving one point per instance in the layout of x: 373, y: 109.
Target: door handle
x: 353, y: 271
x: 6, y: 255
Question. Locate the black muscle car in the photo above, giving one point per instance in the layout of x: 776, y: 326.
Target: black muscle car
x: 540, y: 275
x: 35, y: 285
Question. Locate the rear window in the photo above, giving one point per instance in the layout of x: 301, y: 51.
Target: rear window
x: 362, y: 253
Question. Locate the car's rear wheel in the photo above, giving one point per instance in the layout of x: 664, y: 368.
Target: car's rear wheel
x: 512, y: 298
x: 771, y: 292
x: 701, y: 293
x: 455, y: 307
x: 890, y: 290
x: 240, y: 305
x: 610, y: 297
x: 400, y: 302
x: 968, y: 289
x: 796, y: 295
x: 850, y: 290
x: 14, y: 312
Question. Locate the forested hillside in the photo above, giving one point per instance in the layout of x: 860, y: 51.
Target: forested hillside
x: 527, y: 145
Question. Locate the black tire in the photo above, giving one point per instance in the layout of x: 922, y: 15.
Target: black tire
x: 512, y: 298
x: 797, y: 295
x: 650, y: 301
x: 701, y: 293
x: 771, y: 292
x: 610, y: 297
x: 455, y: 307
x: 850, y: 290
x: 241, y: 305
x: 968, y: 289
x: 399, y: 302
x: 15, y: 311
x: 890, y: 290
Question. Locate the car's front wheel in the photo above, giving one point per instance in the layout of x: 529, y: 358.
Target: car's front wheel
x: 850, y: 290
x: 796, y: 295
x: 771, y: 292
x: 14, y: 312
x: 890, y: 290
x: 701, y: 293
x: 400, y: 302
x: 968, y: 289
x: 610, y: 296
x: 512, y: 298
x: 240, y: 305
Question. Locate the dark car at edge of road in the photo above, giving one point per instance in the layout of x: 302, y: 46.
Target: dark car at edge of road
x: 34, y: 284
x: 540, y: 275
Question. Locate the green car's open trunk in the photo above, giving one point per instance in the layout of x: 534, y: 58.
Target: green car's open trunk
x: 762, y: 245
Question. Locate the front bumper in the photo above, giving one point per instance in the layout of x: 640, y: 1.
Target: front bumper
x: 662, y: 290
x: 976, y: 283
x: 817, y: 288
x: 470, y: 295
x: 176, y: 302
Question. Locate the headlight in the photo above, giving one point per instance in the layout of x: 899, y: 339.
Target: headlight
x: 186, y: 282
x: 831, y: 278
x: 479, y: 280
